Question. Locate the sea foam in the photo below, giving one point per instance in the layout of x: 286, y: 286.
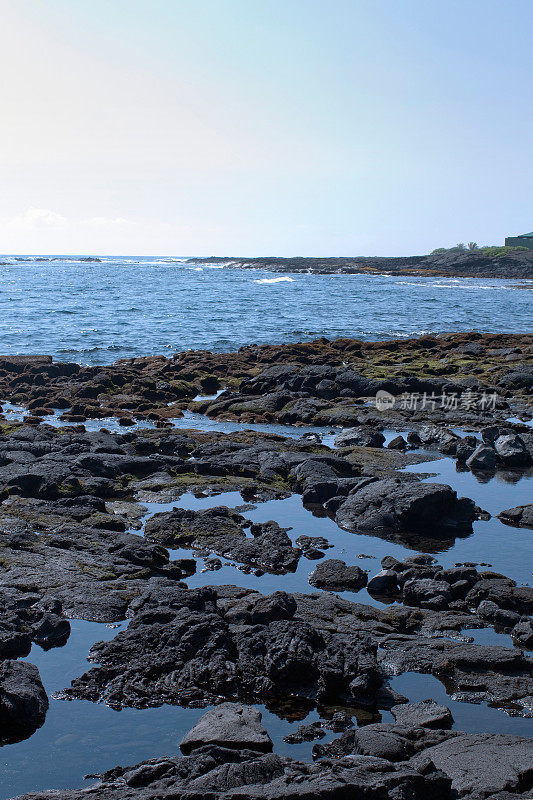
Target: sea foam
x: 274, y: 280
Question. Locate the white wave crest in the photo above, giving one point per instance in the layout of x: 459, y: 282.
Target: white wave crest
x: 274, y: 280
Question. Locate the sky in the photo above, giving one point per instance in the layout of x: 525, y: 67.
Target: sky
x: 264, y: 127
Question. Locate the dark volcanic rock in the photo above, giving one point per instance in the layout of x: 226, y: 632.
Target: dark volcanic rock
x: 396, y: 505
x: 221, y: 530
x: 193, y: 647
x: 382, y: 740
x: 498, y: 675
x: 512, y: 451
x: 216, y: 773
x: 482, y: 764
x: 483, y: 458
x: 94, y: 573
x: 385, y: 583
x: 519, y: 378
x: 228, y: 725
x: 427, y: 593
x: 24, y: 619
x: 520, y: 516
x: 398, y: 443
x: 305, y: 733
x: 359, y: 437
x: 334, y: 575
x: 23, y: 701
x: 522, y: 633
x: 425, y: 714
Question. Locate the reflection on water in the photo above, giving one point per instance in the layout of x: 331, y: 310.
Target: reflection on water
x: 81, y: 737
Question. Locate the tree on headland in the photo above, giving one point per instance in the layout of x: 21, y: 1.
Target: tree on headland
x: 473, y: 246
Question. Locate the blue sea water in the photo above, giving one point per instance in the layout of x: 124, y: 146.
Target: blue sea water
x: 123, y: 307
x: 95, y: 313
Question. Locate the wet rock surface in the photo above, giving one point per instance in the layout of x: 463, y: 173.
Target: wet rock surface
x: 23, y: 701
x: 223, y: 531
x: 426, y: 714
x: 334, y: 575
x: 87, y: 520
x: 412, y: 763
x: 397, y: 507
x: 310, y: 382
x: 521, y: 516
x: 193, y: 647
x: 228, y: 725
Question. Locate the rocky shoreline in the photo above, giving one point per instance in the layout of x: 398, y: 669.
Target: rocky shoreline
x: 510, y: 264
x: 93, y: 526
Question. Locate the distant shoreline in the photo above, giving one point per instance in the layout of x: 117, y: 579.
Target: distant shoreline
x: 515, y: 265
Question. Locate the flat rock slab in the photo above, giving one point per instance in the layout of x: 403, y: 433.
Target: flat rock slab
x: 425, y: 714
x: 229, y: 725
x: 483, y: 764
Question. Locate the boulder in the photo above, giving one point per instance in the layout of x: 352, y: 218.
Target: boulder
x: 359, y: 437
x: 520, y: 516
x: 463, y: 451
x: 512, y: 451
x: 381, y: 740
x: 427, y: 593
x: 522, y: 633
x: 229, y: 725
x: 395, y: 505
x: 483, y: 459
x: 398, y: 443
x: 385, y: 583
x: 23, y: 701
x: 335, y: 576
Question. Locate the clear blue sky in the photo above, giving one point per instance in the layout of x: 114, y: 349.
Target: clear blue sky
x: 253, y: 127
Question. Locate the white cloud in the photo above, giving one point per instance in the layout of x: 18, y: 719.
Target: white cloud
x: 46, y: 231
x: 33, y: 219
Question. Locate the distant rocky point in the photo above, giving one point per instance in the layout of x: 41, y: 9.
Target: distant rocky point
x: 514, y: 263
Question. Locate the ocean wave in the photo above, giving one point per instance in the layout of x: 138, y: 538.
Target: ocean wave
x: 274, y: 280
x: 456, y: 284
x: 113, y: 348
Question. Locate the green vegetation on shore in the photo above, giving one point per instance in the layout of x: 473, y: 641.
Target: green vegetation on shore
x: 488, y: 250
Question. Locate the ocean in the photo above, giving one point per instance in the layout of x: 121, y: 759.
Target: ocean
x: 97, y: 312
x: 122, y: 307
